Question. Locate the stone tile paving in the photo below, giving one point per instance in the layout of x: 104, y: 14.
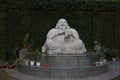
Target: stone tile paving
x: 113, y: 71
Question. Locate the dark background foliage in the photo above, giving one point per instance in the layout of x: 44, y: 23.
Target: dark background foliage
x: 94, y: 20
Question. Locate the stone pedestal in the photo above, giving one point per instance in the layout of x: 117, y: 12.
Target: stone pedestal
x: 67, y: 61
x: 64, y: 66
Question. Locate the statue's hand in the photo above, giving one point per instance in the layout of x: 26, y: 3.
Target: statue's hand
x: 67, y: 33
x: 60, y: 32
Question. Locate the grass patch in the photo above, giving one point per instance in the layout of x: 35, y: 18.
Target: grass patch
x: 5, y: 76
x: 117, y: 78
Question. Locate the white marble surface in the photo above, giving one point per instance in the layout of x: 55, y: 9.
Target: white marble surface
x: 63, y: 39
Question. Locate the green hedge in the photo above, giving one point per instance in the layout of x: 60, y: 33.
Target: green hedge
x: 92, y: 23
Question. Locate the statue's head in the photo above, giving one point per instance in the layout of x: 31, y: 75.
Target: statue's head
x: 62, y: 24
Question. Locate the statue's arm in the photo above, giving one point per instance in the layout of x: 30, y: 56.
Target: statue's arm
x: 59, y: 32
x: 44, y: 48
x: 53, y: 33
x: 50, y: 35
x: 73, y: 33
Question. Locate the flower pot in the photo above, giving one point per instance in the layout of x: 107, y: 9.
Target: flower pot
x: 97, y: 63
x: 101, y: 62
x: 11, y: 66
x: 32, y: 63
x: 2, y: 66
x: 46, y: 65
x: 38, y: 64
x: 26, y: 62
x: 113, y: 59
x: 104, y: 61
x: 93, y: 64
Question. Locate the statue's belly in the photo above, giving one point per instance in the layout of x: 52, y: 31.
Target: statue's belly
x: 59, y: 39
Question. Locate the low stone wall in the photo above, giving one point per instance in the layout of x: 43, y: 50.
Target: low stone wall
x: 64, y: 66
x: 62, y: 73
x: 67, y: 61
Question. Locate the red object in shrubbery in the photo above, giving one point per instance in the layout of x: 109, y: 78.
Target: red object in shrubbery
x: 46, y: 65
x: 11, y: 66
x: 93, y: 64
x: 2, y: 66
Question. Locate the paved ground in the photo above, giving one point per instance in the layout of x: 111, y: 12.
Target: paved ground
x: 113, y: 71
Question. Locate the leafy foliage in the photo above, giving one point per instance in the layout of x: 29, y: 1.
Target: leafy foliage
x: 93, y: 21
x: 5, y: 76
x: 2, y: 54
x: 34, y: 55
x: 26, y: 40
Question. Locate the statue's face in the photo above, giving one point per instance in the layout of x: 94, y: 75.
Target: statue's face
x: 62, y: 24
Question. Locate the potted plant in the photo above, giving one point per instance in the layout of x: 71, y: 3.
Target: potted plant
x: 11, y: 66
x: 12, y: 58
x: 24, y: 56
x: 117, y: 53
x: 46, y: 64
x: 28, y: 46
x: 102, y: 59
x: 26, y: 41
x: 93, y: 64
x: 23, y: 53
x: 93, y: 59
x: 37, y: 57
x: 38, y: 63
x: 26, y: 59
x: 2, y: 58
x: 97, y: 58
x: 31, y: 57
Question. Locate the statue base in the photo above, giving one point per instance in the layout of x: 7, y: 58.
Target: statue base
x: 64, y: 66
x: 67, y: 61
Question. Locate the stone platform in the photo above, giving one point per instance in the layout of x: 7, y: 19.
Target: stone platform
x: 64, y: 66
x: 66, y: 61
x: 62, y: 73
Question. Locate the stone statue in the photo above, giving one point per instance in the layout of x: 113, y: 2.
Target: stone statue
x: 23, y: 53
x: 63, y: 40
x: 97, y: 46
